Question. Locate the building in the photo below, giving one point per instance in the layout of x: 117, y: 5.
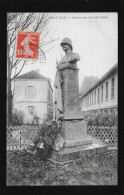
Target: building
x: 103, y: 96
x: 33, y: 96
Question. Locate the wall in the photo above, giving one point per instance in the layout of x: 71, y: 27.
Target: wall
x: 109, y: 103
x: 49, y: 102
x: 21, y: 102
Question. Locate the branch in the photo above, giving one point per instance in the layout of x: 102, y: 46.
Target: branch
x: 16, y: 62
x: 16, y: 90
x: 48, y: 49
x: 11, y: 17
x: 26, y: 21
x: 39, y: 22
x: 13, y: 54
x: 48, y: 42
x: 45, y: 23
x: 19, y: 71
x: 11, y: 41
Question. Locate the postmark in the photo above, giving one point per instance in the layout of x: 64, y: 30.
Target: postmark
x: 27, y: 45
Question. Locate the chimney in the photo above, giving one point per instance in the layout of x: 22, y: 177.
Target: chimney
x: 37, y: 70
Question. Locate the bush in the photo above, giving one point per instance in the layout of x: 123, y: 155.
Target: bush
x: 101, y: 119
x: 18, y: 118
x: 47, y: 134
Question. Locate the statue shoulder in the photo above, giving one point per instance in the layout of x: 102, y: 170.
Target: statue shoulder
x: 76, y: 55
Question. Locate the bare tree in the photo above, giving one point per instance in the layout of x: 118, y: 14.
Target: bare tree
x: 24, y: 22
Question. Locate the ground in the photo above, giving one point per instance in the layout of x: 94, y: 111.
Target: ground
x: 27, y: 169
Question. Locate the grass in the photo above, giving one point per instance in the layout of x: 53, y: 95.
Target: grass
x: 27, y: 169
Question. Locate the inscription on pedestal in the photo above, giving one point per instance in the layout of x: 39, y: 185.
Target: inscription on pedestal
x: 74, y: 129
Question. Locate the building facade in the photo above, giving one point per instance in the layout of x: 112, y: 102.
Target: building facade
x: 103, y: 96
x: 33, y: 96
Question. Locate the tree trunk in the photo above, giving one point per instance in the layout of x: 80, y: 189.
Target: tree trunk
x: 9, y: 92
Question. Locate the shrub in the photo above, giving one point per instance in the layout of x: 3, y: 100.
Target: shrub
x: 47, y: 134
x: 101, y: 119
x: 18, y: 118
x: 35, y: 120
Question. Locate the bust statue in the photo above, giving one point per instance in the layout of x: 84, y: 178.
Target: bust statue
x: 70, y: 59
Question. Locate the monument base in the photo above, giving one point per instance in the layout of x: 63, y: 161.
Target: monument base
x: 71, y: 143
x: 77, y: 143
x: 76, y: 152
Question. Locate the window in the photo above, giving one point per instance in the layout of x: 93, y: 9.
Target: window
x: 112, y: 88
x: 106, y: 90
x: 30, y: 110
x: 95, y: 98
x: 30, y: 91
x: 92, y: 98
x: 102, y: 93
x: 89, y: 99
x: 98, y: 96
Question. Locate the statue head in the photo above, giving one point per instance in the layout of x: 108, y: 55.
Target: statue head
x: 67, y: 41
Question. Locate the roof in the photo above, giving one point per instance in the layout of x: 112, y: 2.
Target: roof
x: 32, y: 75
x: 104, y: 77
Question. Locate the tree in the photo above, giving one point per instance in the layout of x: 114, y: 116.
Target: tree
x: 24, y: 22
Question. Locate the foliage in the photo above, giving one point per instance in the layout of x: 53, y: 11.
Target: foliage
x: 25, y: 169
x: 18, y: 118
x: 101, y: 119
x: 47, y: 134
x: 35, y: 120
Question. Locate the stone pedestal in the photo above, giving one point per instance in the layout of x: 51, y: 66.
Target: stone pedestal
x: 74, y: 129
x: 70, y: 91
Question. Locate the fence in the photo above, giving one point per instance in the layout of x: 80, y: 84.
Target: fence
x: 20, y: 137
x: 107, y: 134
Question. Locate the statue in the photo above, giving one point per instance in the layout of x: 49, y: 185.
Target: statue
x: 69, y: 60
x: 73, y: 141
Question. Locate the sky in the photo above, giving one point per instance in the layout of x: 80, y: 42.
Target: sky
x: 94, y: 37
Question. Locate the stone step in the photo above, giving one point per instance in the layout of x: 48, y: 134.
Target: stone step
x: 71, y: 143
x: 72, y: 153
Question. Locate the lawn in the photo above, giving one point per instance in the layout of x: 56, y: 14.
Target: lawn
x: 27, y: 169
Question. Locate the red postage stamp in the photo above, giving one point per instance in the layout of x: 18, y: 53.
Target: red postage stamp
x: 27, y: 45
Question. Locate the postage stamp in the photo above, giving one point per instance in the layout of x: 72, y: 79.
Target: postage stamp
x: 27, y: 44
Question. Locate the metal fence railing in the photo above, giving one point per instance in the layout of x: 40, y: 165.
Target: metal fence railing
x: 20, y: 137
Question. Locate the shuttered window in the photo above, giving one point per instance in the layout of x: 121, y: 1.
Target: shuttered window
x: 95, y: 98
x: 112, y: 88
x: 30, y: 110
x: 30, y: 91
x: 98, y: 97
x: 102, y: 93
x: 106, y: 90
